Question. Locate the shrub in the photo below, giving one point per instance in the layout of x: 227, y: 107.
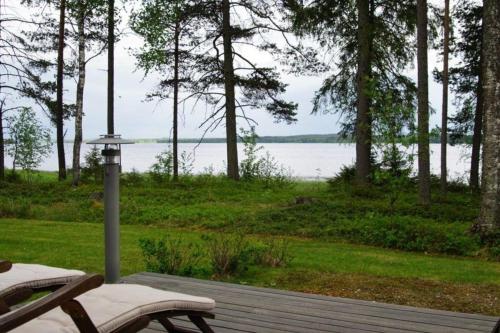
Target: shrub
x: 161, y: 171
x: 408, y: 233
x: 170, y: 255
x: 264, y: 168
x: 133, y: 178
x: 274, y: 253
x: 186, y: 163
x: 229, y: 253
x: 346, y: 175
x: 93, y: 166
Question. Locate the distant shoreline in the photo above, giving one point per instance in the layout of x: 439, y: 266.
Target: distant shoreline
x: 306, y: 138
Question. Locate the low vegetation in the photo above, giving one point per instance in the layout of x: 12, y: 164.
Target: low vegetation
x: 378, y: 215
x: 318, y: 266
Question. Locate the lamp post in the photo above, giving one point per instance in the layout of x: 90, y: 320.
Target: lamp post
x: 112, y: 165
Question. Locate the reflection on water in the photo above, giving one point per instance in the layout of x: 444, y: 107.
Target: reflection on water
x: 306, y: 160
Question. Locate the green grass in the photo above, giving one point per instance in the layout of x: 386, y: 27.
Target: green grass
x: 80, y: 246
x: 302, y: 209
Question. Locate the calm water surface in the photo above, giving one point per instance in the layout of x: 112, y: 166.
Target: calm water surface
x: 305, y: 160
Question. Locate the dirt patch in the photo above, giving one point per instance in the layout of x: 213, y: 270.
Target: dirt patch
x: 470, y: 298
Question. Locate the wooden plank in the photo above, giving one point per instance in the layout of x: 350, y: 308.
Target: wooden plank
x: 401, y: 320
x: 252, y: 309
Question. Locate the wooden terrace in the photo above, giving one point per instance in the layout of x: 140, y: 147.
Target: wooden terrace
x: 249, y: 309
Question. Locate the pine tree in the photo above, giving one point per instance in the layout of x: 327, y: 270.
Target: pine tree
x: 172, y: 35
x: 489, y: 218
x: 370, y: 44
x: 444, y: 113
x: 243, y: 83
x: 423, y: 105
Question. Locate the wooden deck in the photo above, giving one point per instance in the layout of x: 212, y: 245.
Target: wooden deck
x: 249, y: 309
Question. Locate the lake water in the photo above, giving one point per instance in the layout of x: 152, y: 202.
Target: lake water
x: 305, y: 160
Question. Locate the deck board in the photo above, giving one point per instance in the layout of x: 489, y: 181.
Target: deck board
x: 243, y: 308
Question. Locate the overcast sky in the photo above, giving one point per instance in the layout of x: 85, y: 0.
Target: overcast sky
x: 138, y: 119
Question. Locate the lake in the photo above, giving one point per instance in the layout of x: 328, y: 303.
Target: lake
x: 305, y: 160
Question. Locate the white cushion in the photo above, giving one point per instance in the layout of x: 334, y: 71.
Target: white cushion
x: 111, y: 306
x: 34, y: 276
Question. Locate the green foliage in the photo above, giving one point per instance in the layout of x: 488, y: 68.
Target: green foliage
x: 30, y: 141
x: 346, y: 175
x: 229, y: 254
x: 161, y: 171
x: 408, y: 234
x: 93, y: 166
x: 275, y: 252
x: 186, y: 163
x: 170, y: 255
x: 334, y: 24
x: 262, y: 168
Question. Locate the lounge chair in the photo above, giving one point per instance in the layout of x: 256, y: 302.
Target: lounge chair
x: 18, y: 282
x: 85, y: 305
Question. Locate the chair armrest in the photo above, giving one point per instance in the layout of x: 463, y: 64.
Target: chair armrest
x: 79, y: 286
x: 5, y: 265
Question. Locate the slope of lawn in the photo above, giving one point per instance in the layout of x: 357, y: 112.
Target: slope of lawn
x: 319, y: 266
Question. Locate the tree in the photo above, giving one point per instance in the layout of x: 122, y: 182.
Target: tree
x: 370, y: 44
x: 238, y: 82
x: 61, y: 157
x: 111, y: 67
x: 30, y: 141
x: 20, y: 69
x: 489, y: 218
x: 465, y: 82
x: 171, y: 39
x: 87, y: 35
x: 444, y: 113
x: 423, y: 105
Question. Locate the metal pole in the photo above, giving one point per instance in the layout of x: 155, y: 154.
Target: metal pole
x: 112, y: 222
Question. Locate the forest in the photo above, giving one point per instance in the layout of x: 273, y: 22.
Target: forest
x: 207, y: 53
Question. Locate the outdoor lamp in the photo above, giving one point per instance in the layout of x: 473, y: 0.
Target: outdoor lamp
x: 112, y: 166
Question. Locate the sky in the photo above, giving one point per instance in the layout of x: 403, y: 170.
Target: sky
x: 135, y: 118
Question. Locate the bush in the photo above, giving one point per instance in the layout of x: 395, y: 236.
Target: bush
x: 162, y: 170
x: 229, y: 254
x: 170, y: 255
x: 133, y: 178
x: 410, y: 234
x: 94, y: 165
x: 264, y: 168
x: 274, y: 253
x: 346, y: 175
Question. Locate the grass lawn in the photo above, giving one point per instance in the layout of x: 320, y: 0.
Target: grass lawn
x: 319, y: 266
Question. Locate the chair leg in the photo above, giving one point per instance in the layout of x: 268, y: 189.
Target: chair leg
x: 171, y: 328
x: 497, y: 328
x: 200, y: 323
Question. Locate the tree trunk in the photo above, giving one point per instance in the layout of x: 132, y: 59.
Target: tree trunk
x: 111, y: 66
x: 229, y: 83
x: 176, y: 100
x: 79, y: 100
x: 59, y: 104
x: 444, y: 114
x: 423, y: 105
x: 490, y: 200
x: 363, y: 122
x: 477, y: 137
x: 2, y: 145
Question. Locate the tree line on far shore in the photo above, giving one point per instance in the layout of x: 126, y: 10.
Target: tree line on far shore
x: 201, y: 50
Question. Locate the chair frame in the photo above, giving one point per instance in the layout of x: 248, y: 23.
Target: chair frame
x: 5, y: 265
x: 65, y: 298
